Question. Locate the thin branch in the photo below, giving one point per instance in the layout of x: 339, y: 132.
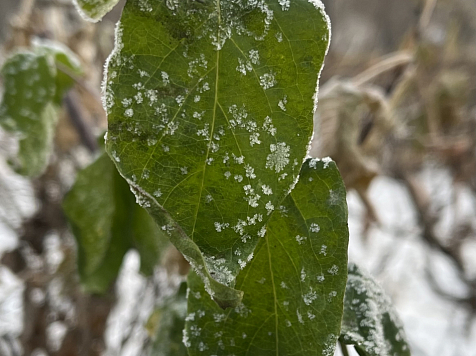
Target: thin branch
x: 343, y: 348
x: 385, y: 64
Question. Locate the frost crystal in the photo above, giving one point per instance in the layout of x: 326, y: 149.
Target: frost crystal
x: 219, y: 227
x: 326, y: 161
x: 301, y: 239
x: 266, y: 189
x: 299, y: 316
x: 323, y: 250
x: 309, y: 297
x: 282, y: 103
x: 129, y: 112
x: 269, y: 207
x: 279, y: 156
x: 333, y: 270
x: 314, y: 228
x: 284, y: 4
x: 254, y: 56
x: 267, y: 80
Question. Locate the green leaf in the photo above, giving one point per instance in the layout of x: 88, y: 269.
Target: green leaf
x: 370, y: 321
x: 167, y: 324
x: 29, y: 87
x: 94, y: 10
x: 66, y: 62
x: 106, y: 223
x: 210, y: 113
x: 294, y: 286
x: 32, y: 90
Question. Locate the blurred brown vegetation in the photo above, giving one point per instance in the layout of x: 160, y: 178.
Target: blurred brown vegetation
x: 398, y: 96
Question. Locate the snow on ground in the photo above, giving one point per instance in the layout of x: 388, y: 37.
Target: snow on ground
x: 396, y: 256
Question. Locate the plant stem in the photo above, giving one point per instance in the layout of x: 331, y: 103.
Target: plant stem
x: 343, y: 347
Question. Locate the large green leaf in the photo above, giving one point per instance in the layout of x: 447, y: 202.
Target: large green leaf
x: 167, y: 324
x: 94, y: 10
x: 370, y: 321
x: 210, y: 108
x: 294, y: 286
x: 107, y: 222
x: 33, y: 88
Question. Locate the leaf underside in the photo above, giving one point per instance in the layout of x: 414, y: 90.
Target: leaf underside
x: 293, y: 287
x: 370, y: 322
x: 209, y: 114
x: 106, y: 223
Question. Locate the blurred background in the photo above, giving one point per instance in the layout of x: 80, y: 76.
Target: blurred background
x: 397, y: 112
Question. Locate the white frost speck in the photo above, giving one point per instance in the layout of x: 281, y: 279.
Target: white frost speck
x: 301, y: 239
x: 285, y: 4
x: 282, y: 103
x: 309, y: 297
x: 267, y: 80
x: 323, y: 250
x: 299, y: 316
x: 279, y: 156
x: 266, y: 189
x: 254, y: 56
x: 269, y: 207
x: 326, y: 161
x: 129, y: 112
x: 333, y: 270
x: 314, y: 228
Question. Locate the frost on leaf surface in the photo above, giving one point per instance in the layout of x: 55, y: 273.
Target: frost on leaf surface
x: 287, y: 309
x: 370, y: 322
x: 32, y: 89
x: 107, y: 222
x: 94, y: 10
x: 197, y: 84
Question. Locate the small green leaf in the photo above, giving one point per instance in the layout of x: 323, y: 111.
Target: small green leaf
x: 370, y: 321
x: 94, y: 10
x: 66, y: 63
x: 107, y: 222
x: 210, y: 107
x: 32, y: 87
x: 29, y: 87
x: 294, y: 285
x: 168, y: 323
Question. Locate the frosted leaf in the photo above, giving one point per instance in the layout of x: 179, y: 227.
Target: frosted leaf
x: 370, y: 322
x: 198, y: 76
